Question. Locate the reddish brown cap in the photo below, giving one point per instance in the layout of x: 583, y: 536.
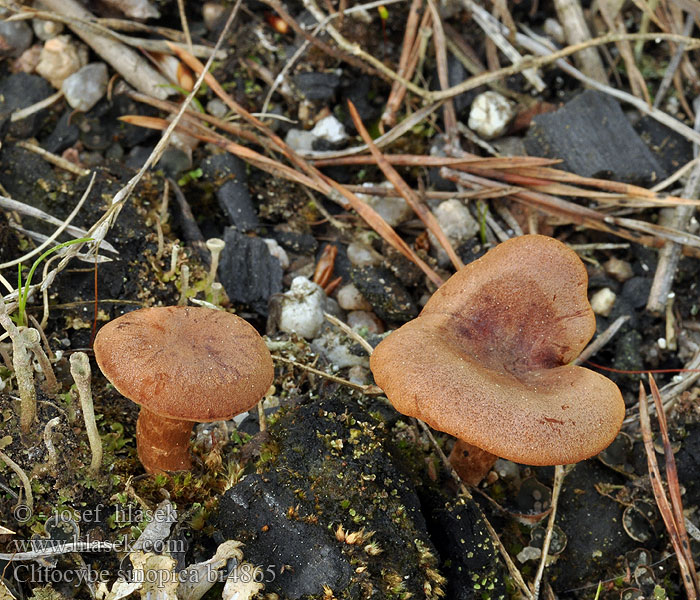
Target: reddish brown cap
x: 184, y: 362
x: 487, y: 358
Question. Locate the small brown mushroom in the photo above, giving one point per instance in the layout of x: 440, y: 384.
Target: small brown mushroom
x: 183, y: 365
x: 487, y: 361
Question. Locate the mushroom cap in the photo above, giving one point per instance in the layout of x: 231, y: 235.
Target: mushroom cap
x: 185, y: 362
x: 487, y: 358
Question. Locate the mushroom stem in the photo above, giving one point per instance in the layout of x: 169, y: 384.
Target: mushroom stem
x: 163, y: 444
x: 471, y: 463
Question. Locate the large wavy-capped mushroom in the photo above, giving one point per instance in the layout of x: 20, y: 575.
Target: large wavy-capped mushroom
x: 183, y: 365
x: 488, y: 361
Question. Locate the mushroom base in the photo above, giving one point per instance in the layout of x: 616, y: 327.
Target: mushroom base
x: 163, y: 444
x: 471, y: 463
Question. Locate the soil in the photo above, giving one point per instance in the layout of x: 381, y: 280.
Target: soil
x: 339, y: 496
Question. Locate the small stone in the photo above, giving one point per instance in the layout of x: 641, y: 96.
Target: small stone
x: 86, y: 87
x: 490, y: 114
x: 302, y: 308
x: 330, y: 130
x: 362, y: 319
x: 216, y: 108
x: 45, y: 30
x: 277, y: 251
x: 360, y: 255
x: 393, y: 210
x: 603, y: 301
x: 213, y: 14
x: 350, y: 298
x: 60, y: 58
x: 619, y: 269
x: 336, y: 348
x: 15, y: 37
x: 358, y: 375
x: 300, y: 140
x: 28, y: 60
x: 457, y: 224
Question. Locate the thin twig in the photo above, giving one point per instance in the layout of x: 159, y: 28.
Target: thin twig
x: 349, y: 332
x: 369, y: 390
x: 601, y: 340
x: 560, y: 472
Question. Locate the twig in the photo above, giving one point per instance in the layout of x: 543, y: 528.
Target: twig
x: 54, y: 159
x: 601, y: 340
x: 673, y: 64
x: 369, y: 390
x: 23, y: 113
x: 350, y: 332
x: 560, y: 472
x: 572, y: 20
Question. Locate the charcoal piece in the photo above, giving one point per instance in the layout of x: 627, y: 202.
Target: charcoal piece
x: 595, y: 139
x: 301, y: 243
x: 21, y: 90
x: 384, y: 292
x: 670, y: 148
x: 64, y: 134
x: 317, y: 86
x: 249, y: 274
x: 228, y: 173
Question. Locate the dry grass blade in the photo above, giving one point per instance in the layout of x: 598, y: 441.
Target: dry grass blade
x: 674, y: 489
x: 421, y: 160
x: 660, y: 495
x: 406, y: 192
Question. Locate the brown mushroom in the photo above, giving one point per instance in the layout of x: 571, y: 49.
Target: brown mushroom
x: 487, y: 361
x: 183, y: 365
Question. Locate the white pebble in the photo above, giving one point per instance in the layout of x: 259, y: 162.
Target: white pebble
x: 350, y: 298
x: 331, y: 130
x: 85, y: 88
x: 300, y: 140
x: 360, y: 255
x: 456, y: 223
x: 278, y: 252
x: 302, y: 308
x: 362, y: 319
x: 335, y: 348
x: 490, y: 114
x: 602, y: 302
x: 393, y: 210
x: 619, y: 269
